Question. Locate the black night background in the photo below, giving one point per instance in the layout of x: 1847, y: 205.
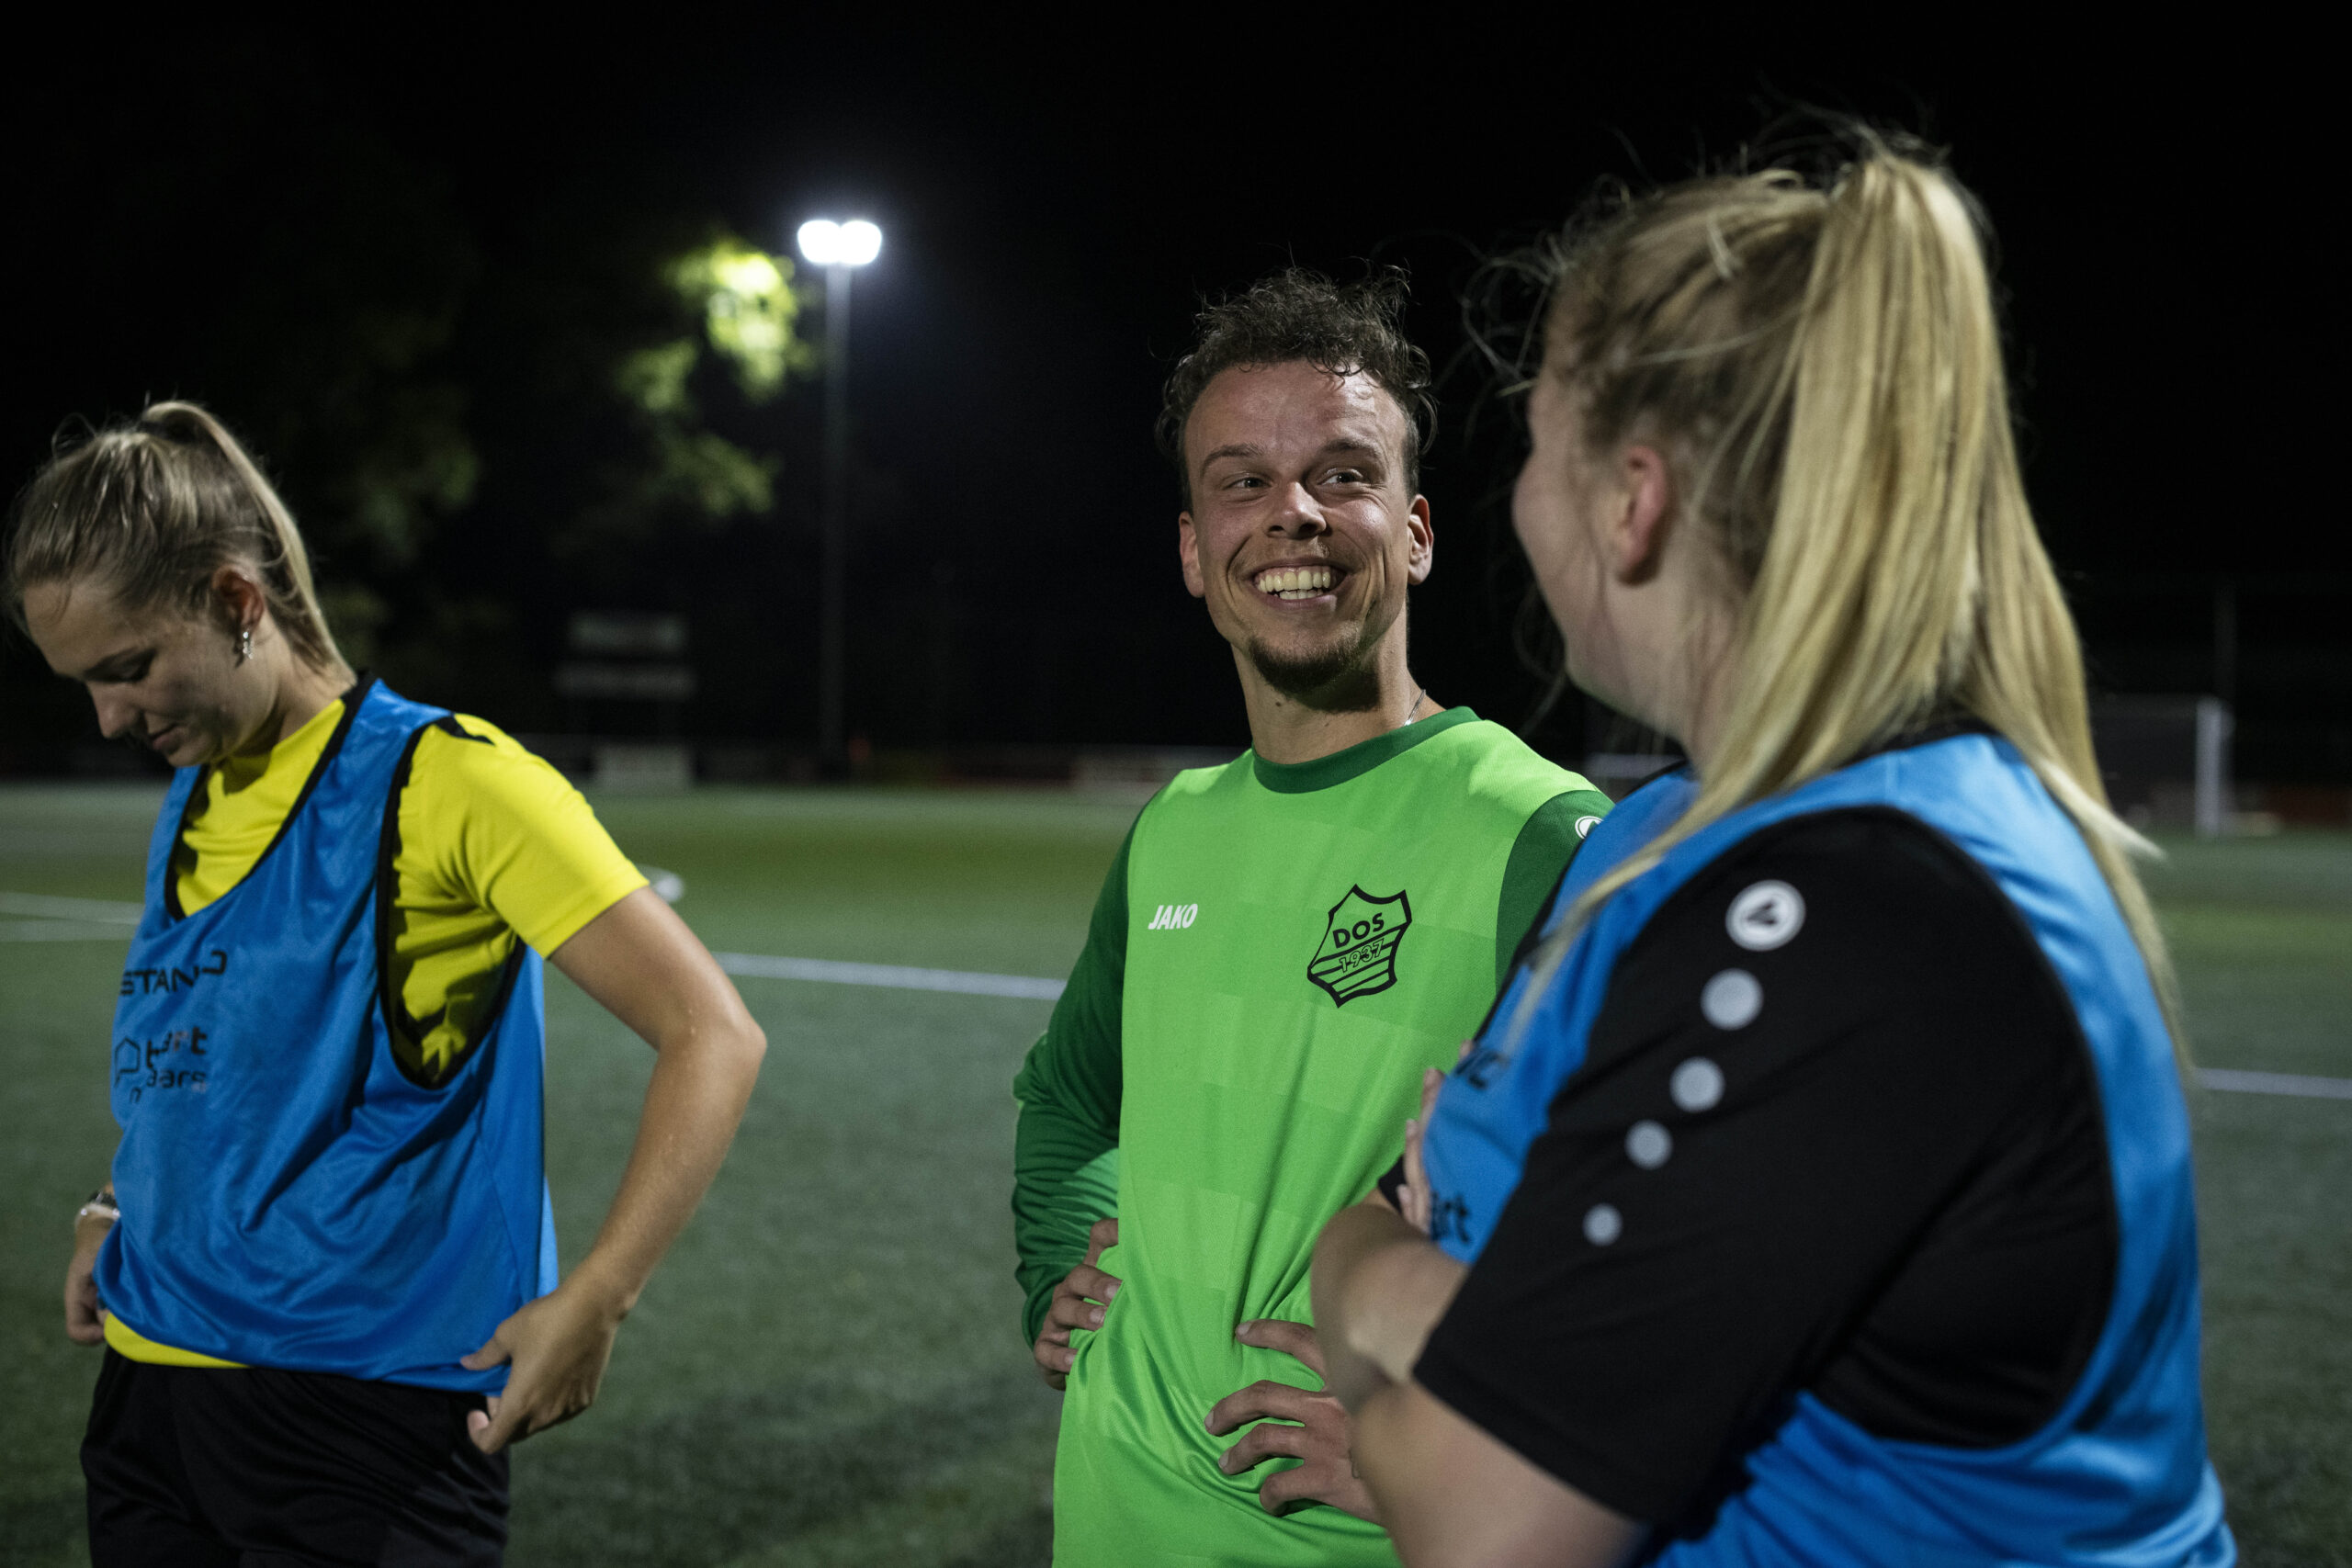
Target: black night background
x: 413, y: 269
x: 497, y: 299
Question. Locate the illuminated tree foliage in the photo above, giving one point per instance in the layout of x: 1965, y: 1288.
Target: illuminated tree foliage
x: 749, y: 311
x: 738, y: 307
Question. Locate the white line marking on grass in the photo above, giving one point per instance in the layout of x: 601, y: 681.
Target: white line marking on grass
x: 70, y: 920
x: 60, y: 931
x: 2303, y: 1084
x: 101, y: 911
x: 88, y: 920
x: 895, y: 976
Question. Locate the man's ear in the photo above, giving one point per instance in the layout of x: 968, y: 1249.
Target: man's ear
x: 1187, y: 551
x: 1421, y: 555
x: 1645, y: 518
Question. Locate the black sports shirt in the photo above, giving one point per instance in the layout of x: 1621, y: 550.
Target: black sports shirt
x: 1906, y: 1211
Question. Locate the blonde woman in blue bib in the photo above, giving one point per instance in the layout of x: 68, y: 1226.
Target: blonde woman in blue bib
x: 1818, y: 1194
x: 323, y: 1268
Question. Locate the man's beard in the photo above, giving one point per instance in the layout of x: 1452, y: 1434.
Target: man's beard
x: 1334, y: 678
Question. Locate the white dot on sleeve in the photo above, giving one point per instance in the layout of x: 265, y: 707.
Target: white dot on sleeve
x: 1696, y: 1085
x: 1732, y: 999
x: 1603, y: 1224
x: 1648, y: 1144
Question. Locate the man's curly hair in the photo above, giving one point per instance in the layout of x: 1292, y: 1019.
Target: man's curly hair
x: 1298, y: 314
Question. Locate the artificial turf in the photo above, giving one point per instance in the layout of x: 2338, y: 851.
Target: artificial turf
x: 2261, y: 930
x: 828, y: 1369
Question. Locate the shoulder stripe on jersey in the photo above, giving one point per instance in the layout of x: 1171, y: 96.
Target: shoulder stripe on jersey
x: 447, y: 725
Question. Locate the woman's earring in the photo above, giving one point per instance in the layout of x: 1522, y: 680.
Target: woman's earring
x: 244, y: 645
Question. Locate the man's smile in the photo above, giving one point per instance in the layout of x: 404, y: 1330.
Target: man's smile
x: 1299, y: 582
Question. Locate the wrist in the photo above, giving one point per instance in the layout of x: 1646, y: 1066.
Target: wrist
x: 600, y: 1280
x: 98, y: 1206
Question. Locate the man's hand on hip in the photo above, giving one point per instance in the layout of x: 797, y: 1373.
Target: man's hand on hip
x: 1323, y: 1436
x: 1079, y: 1302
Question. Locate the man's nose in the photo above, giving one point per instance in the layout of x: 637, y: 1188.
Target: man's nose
x: 1299, y: 516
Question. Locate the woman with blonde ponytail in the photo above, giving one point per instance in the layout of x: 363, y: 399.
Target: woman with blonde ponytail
x: 1818, y: 1190
x: 323, y: 1265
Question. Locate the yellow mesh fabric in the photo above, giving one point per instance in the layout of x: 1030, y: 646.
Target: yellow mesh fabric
x: 134, y: 1345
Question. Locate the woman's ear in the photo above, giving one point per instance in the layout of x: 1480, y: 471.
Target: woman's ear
x: 237, y: 597
x: 1645, y: 514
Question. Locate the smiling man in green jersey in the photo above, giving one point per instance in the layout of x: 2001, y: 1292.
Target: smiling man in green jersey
x: 1281, y: 946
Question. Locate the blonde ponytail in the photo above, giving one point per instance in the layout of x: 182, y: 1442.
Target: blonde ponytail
x: 1825, y: 364
x: 152, y: 509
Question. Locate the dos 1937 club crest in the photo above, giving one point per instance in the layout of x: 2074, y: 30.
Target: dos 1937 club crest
x: 1359, y: 952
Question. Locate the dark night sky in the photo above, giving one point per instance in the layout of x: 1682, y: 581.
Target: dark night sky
x: 1056, y: 204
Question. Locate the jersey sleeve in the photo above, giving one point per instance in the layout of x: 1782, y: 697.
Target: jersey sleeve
x: 1547, y: 842
x: 1837, y: 1132
x: 497, y: 827
x: 1066, y: 1151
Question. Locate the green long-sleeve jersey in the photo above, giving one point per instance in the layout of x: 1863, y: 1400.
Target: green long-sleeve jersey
x: 1277, y: 952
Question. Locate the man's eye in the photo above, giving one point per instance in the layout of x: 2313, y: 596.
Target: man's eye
x: 1345, y: 476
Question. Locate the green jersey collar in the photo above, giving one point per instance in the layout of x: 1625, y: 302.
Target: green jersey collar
x: 1300, y: 778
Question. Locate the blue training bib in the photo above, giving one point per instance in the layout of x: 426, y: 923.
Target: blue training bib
x: 292, y: 1197
x: 2119, y: 1478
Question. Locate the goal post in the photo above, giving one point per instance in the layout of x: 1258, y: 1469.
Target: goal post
x: 2165, y: 761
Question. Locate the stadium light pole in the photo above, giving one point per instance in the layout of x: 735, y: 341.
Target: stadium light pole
x: 840, y: 249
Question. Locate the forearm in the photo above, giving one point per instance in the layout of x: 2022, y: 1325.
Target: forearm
x: 1065, y: 1158
x: 1065, y: 1177
x: 702, y: 1080
x: 1379, y: 1287
x: 641, y: 964
x: 1454, y: 1497
x: 84, y: 1323
x: 1064, y: 1147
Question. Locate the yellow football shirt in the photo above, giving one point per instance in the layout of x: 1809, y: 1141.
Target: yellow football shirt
x: 495, y: 847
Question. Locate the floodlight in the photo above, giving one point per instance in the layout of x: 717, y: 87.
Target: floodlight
x: 821, y: 241
x: 828, y: 243
x: 860, y: 243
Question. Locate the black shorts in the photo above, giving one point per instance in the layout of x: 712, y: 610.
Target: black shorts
x: 204, y: 1466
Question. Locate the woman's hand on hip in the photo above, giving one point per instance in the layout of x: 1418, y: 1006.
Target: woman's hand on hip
x: 84, y: 1315
x: 557, y: 1347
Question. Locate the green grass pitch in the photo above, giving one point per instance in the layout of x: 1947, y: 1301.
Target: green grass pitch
x: 828, y: 1370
